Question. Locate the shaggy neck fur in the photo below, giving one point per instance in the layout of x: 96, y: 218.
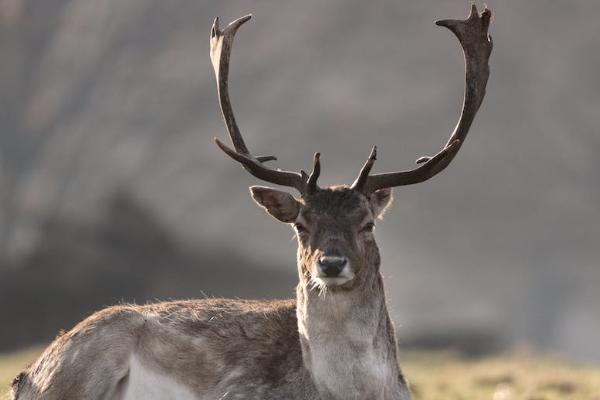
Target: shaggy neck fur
x: 348, y: 341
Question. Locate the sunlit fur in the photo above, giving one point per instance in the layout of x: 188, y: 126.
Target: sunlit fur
x: 334, y: 342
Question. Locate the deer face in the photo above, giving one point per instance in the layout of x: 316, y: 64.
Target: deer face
x: 335, y: 232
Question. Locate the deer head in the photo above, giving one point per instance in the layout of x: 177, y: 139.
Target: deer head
x: 334, y: 225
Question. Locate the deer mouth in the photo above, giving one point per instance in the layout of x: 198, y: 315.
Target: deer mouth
x: 332, y: 282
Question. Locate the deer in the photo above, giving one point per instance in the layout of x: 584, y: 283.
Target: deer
x: 334, y: 341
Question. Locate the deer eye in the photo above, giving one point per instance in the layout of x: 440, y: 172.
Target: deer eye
x: 369, y: 227
x: 300, y: 228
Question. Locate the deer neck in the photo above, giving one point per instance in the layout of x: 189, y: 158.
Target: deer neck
x: 348, y: 341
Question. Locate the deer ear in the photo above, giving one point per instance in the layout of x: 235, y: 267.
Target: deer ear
x: 380, y: 201
x: 280, y: 205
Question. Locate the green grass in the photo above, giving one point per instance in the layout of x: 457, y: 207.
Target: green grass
x: 443, y: 376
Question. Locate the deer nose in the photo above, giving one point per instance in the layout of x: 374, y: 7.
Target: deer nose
x: 331, y: 266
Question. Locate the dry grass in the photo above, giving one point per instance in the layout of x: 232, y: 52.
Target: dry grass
x: 11, y: 364
x: 443, y: 376
x: 523, y: 376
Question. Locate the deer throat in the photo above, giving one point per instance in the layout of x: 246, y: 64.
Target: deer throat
x: 348, y: 345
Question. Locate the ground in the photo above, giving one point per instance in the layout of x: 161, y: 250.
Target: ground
x: 519, y: 375
x: 444, y: 376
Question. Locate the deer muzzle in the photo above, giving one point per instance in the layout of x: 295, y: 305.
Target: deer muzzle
x: 331, y: 266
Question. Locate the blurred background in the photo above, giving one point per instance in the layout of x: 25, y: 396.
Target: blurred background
x: 112, y: 190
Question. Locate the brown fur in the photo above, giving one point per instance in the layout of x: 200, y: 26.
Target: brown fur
x: 196, y: 341
x: 230, y: 349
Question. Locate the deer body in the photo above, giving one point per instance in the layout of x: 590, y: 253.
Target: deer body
x: 331, y: 343
x: 335, y: 341
x: 202, y: 349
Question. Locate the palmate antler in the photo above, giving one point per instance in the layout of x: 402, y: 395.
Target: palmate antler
x: 220, y: 53
x: 472, y: 34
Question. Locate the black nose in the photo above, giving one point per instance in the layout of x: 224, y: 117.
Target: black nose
x: 332, y: 266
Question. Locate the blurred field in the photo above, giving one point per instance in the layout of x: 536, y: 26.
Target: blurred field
x: 11, y: 364
x: 439, y: 376
x: 111, y: 188
x: 444, y: 376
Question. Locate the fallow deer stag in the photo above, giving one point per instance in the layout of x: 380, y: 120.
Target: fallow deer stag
x: 335, y: 341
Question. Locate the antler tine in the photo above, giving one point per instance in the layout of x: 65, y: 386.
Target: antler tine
x: 220, y: 53
x: 472, y: 34
x: 311, y: 182
x: 363, y: 176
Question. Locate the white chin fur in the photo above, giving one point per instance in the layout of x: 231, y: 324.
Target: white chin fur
x: 328, y: 281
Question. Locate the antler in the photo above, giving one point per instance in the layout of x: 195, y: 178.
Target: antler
x: 477, y: 46
x: 220, y: 52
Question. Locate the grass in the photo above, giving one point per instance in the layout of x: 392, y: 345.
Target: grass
x: 523, y: 376
x: 444, y: 376
x: 13, y: 363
